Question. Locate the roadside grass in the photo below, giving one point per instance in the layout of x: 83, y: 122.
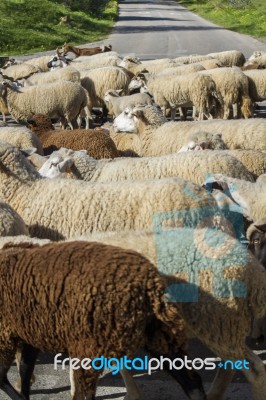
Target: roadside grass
x: 248, y: 17
x: 28, y: 26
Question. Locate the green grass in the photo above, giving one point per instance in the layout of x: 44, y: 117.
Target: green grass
x: 28, y: 26
x: 250, y: 20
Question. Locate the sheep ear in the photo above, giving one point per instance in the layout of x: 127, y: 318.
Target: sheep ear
x: 65, y: 166
x: 119, y: 91
x: 141, y: 75
x: 29, y: 151
x: 138, y: 113
x: 261, y: 228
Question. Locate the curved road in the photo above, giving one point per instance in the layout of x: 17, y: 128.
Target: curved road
x: 161, y: 28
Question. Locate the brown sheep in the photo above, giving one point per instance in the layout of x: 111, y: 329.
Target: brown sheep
x: 97, y: 142
x: 95, y: 300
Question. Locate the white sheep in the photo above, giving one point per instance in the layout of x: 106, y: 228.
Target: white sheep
x: 21, y: 137
x: 171, y: 91
x: 60, y: 99
x: 19, y: 71
x: 3, y: 109
x: 134, y: 65
x: 59, y: 208
x: 193, y: 58
x: 84, y: 63
x: 194, y: 166
x: 257, y: 84
x: 250, y: 196
x: 253, y: 160
x: 232, y: 87
x: 257, y: 62
x: 229, y: 58
x: 68, y: 74
x: 155, y: 136
x: 117, y: 104
x: 97, y: 81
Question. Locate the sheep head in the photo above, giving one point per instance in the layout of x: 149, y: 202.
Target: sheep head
x: 256, y: 235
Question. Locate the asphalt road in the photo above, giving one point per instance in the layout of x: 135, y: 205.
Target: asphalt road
x: 154, y: 29
x: 161, y: 28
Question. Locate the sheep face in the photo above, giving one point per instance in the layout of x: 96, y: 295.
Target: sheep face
x: 257, y: 242
x: 125, y: 63
x: 112, y: 93
x: 126, y: 121
x: 55, y: 167
x: 57, y: 62
x: 138, y: 82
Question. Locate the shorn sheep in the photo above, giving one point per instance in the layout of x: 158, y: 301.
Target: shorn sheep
x: 157, y: 136
x: 61, y: 99
x: 59, y: 208
x: 96, y: 142
x: 210, y: 260
x: 126, y: 280
x: 116, y: 103
x: 192, y: 166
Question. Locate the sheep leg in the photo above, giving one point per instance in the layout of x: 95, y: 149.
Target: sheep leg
x: 28, y: 358
x: 236, y: 113
x: 104, y: 113
x: 226, y: 112
x: 133, y: 392
x: 189, y: 380
x: 88, y: 117
x: 173, y: 113
x: 6, y: 386
x: 73, y: 124
x: 256, y: 375
x: 7, y: 355
x: 194, y: 113
x: 220, y: 383
x: 182, y: 113
x: 83, y: 383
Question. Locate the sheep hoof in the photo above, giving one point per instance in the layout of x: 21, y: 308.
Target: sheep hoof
x: 18, y: 386
x: 18, y: 383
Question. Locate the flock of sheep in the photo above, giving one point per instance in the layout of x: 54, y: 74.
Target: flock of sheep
x: 97, y: 225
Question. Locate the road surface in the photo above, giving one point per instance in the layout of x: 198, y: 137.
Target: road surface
x: 161, y: 28
x: 153, y: 29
